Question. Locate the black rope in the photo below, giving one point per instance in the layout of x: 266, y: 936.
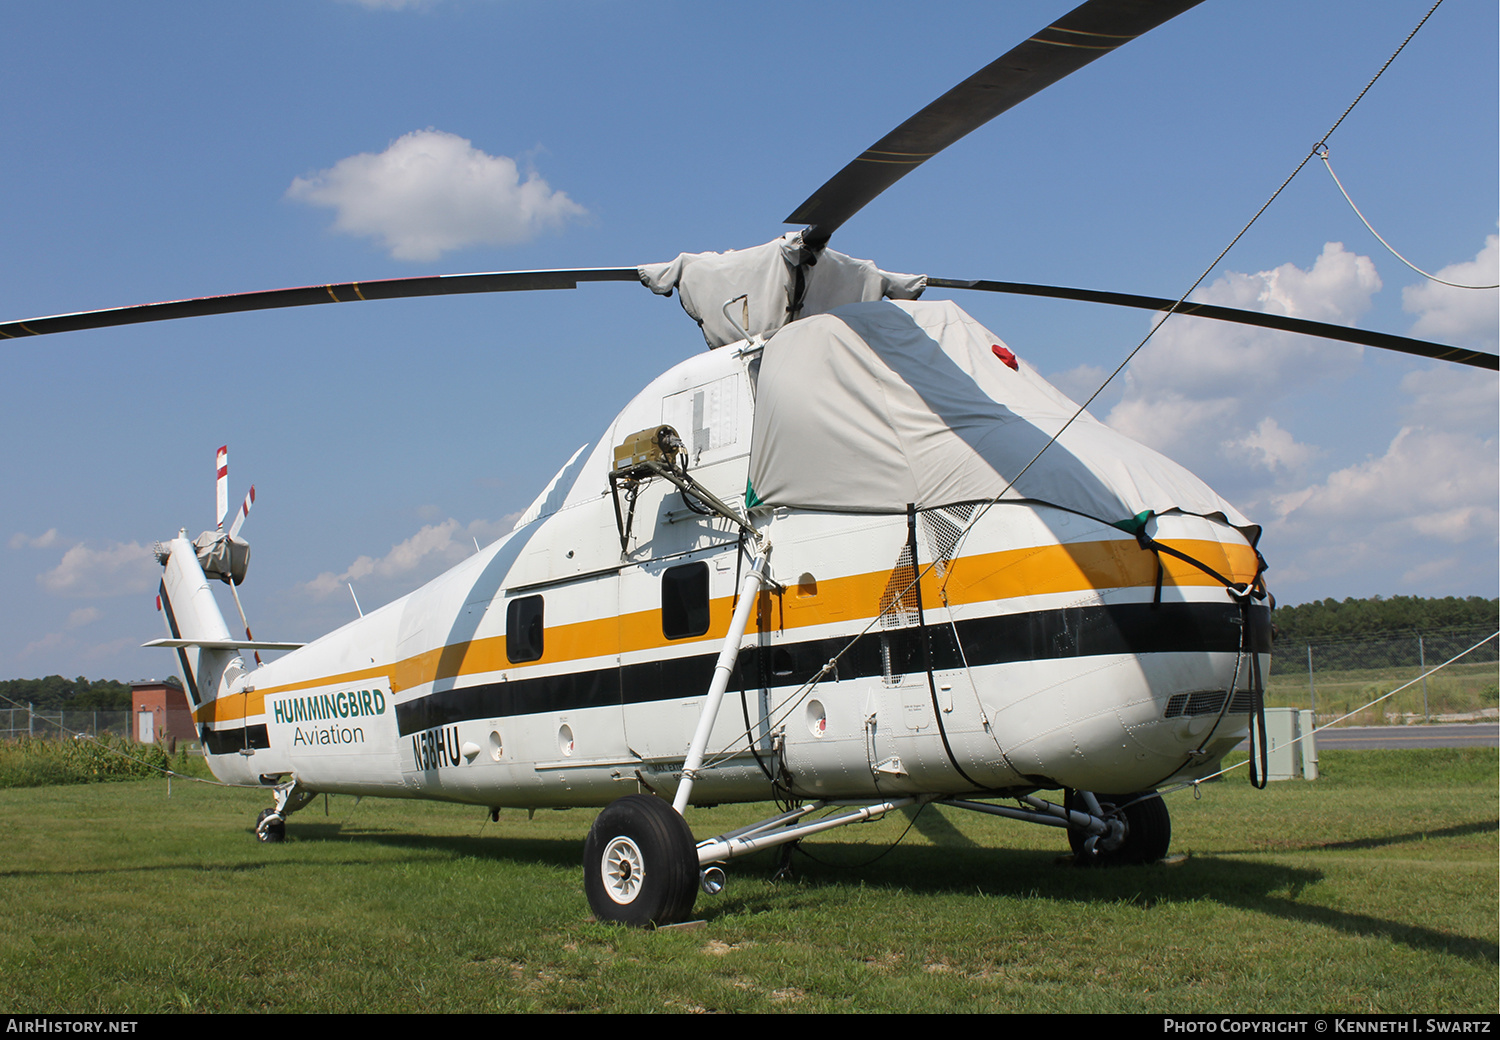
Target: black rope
x: 926, y: 641
x: 1252, y: 588
x: 1258, y: 778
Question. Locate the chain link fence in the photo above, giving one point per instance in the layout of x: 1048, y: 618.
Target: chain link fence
x: 41, y: 724
x: 1336, y: 676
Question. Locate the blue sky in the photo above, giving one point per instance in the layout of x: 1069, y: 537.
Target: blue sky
x: 165, y: 150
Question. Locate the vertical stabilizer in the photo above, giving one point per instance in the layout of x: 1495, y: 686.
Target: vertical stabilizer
x: 192, y: 614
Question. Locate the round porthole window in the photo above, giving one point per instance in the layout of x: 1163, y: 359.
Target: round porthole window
x: 817, y: 718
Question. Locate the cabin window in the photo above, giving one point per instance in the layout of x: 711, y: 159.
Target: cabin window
x: 781, y: 662
x: 684, y: 601
x: 523, y: 629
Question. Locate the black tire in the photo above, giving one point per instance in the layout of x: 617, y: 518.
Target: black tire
x: 1148, y: 829
x: 640, y: 864
x: 269, y: 832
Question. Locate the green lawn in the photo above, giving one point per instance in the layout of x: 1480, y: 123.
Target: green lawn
x: 1373, y: 889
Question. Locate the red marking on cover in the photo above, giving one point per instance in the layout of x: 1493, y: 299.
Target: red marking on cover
x: 1004, y: 354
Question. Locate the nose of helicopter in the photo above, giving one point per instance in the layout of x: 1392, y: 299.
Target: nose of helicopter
x: 1179, y: 688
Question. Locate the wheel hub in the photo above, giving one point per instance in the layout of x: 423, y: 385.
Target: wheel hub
x: 624, y: 870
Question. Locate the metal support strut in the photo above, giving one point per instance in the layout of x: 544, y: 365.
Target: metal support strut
x: 1106, y: 831
x: 728, y: 654
x: 779, y: 830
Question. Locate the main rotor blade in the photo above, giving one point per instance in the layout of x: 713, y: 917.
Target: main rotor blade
x: 1064, y: 47
x: 302, y: 296
x: 1382, y: 340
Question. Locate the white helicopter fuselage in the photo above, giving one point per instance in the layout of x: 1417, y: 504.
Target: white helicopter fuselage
x: 1042, y: 649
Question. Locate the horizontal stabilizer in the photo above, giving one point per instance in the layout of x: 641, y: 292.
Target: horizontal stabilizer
x: 224, y: 644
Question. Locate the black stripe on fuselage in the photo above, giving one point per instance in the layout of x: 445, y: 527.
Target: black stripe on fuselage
x: 1090, y: 631
x: 229, y: 741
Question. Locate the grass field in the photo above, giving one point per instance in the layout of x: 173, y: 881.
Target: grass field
x: 1373, y: 889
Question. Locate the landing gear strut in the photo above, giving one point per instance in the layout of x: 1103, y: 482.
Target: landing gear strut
x: 1103, y: 829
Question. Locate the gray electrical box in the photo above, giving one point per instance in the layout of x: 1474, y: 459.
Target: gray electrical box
x: 1288, y: 756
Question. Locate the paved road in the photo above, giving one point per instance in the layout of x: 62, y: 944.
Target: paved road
x: 1461, y: 734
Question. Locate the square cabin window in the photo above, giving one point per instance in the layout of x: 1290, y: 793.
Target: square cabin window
x: 684, y: 601
x: 523, y: 629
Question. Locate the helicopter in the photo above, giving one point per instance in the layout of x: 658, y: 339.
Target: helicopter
x: 668, y: 535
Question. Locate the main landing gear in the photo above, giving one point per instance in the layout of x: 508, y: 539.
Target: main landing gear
x: 1104, y: 830
x: 1146, y: 824
x: 640, y: 864
x: 270, y: 825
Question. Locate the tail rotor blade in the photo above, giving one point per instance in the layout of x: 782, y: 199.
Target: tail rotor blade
x: 221, y: 464
x: 239, y: 518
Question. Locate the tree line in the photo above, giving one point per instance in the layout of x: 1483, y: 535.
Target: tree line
x: 54, y: 693
x: 1331, y: 619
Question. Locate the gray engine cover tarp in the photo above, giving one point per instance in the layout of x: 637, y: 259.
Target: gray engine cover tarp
x: 222, y: 556
x: 767, y: 275
x: 877, y: 405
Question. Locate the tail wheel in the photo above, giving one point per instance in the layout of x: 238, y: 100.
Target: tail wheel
x: 1148, y: 829
x: 269, y: 829
x: 640, y: 864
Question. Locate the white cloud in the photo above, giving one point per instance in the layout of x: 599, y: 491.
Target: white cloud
x: 1461, y: 398
x: 1468, y: 317
x: 1201, y: 386
x: 82, y: 616
x: 42, y: 541
x: 1171, y: 422
x: 431, y: 192
x: 50, y: 641
x: 1270, y: 447
x: 1080, y: 381
x: 1428, y: 504
x: 112, y: 649
x: 118, y: 570
x: 1424, y: 473
x: 1205, y: 358
x: 418, y: 559
x: 1422, y: 512
x: 1337, y: 288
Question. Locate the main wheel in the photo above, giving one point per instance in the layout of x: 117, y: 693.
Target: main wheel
x: 273, y: 831
x: 1148, y: 829
x: 640, y: 864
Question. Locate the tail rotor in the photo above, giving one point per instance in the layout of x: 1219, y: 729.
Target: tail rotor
x: 221, y: 467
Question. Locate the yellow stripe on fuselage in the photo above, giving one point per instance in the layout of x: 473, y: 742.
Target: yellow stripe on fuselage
x: 1033, y: 571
